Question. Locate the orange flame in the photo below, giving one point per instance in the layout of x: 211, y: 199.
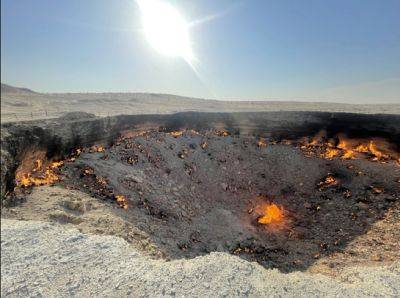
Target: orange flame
x: 271, y: 213
x: 122, y: 201
x: 176, y: 134
x: 375, y: 149
x: 331, y: 153
x: 37, y: 172
x: 261, y: 143
x: 57, y: 164
x: 222, y: 133
x: 27, y: 179
x: 327, y: 182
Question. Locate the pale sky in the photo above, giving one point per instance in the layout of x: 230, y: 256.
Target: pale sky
x: 319, y: 50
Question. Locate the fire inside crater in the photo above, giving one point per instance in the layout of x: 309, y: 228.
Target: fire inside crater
x: 190, y: 190
x: 270, y: 213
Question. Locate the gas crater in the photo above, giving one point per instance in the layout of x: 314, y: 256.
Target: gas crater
x: 289, y: 195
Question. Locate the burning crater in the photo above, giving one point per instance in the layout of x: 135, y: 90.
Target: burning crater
x: 282, y: 198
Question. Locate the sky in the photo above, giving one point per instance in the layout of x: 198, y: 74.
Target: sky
x: 310, y: 50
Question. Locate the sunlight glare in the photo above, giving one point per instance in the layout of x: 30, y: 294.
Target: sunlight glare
x: 165, y: 29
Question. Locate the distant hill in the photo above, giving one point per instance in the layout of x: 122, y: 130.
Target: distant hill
x: 11, y: 89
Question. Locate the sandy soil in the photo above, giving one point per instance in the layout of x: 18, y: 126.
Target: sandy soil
x: 40, y: 259
x: 18, y: 106
x: 73, y: 208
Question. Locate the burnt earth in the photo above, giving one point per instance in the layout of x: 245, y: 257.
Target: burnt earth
x: 194, y: 193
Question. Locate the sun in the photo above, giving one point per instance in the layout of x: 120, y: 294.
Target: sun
x: 165, y: 29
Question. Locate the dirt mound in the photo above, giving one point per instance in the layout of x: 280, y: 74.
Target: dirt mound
x: 11, y: 89
x: 76, y: 116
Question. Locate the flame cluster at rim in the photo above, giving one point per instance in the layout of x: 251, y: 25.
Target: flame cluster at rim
x: 40, y: 175
x: 374, y: 149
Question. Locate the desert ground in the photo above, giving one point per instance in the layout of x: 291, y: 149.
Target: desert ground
x: 42, y: 259
x: 19, y: 104
x: 175, y: 213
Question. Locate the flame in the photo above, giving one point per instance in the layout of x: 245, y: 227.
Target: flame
x: 26, y: 180
x: 347, y: 151
x: 122, y: 201
x: 261, y: 143
x: 328, y: 181
x: 362, y: 148
x: 57, y: 164
x: 36, y: 170
x: 222, y: 133
x: 374, y: 149
x: 331, y: 153
x: 176, y: 134
x: 348, y: 154
x: 314, y: 142
x: 271, y: 213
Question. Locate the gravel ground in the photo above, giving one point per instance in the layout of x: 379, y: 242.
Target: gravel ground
x: 41, y: 259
